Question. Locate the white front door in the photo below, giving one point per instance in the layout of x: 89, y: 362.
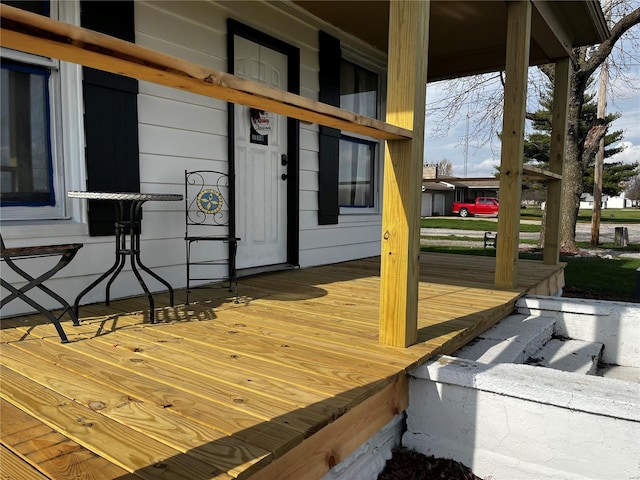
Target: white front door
x: 261, y: 190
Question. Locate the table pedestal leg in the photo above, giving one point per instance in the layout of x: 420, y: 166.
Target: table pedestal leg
x: 116, y: 267
x: 134, y: 227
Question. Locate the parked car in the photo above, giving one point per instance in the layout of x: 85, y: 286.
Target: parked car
x: 479, y: 206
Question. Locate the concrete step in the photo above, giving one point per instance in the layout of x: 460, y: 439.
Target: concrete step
x: 619, y: 372
x: 512, y: 340
x: 569, y: 356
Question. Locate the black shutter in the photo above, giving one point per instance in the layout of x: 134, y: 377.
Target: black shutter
x: 111, y: 117
x: 329, y: 77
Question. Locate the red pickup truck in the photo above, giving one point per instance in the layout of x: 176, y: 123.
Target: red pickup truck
x: 479, y: 206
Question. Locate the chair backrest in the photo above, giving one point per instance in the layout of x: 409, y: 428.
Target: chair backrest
x: 206, y: 199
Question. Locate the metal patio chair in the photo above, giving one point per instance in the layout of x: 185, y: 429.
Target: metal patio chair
x: 208, y: 219
x: 65, y: 252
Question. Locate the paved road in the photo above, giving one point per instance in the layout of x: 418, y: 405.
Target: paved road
x: 607, y: 232
x: 583, y: 232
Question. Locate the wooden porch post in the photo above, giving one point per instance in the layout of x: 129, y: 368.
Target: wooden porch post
x: 407, y: 79
x: 515, y: 95
x: 551, y: 254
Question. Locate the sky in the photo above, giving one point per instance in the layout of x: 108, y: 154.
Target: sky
x: 481, y: 161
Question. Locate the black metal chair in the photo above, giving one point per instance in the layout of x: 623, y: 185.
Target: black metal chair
x: 208, y: 218
x: 66, y: 253
x: 490, y: 240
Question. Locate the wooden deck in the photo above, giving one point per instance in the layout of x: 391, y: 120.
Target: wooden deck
x: 284, y: 384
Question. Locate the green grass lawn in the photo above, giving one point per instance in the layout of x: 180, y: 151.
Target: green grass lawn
x: 470, y: 224
x: 471, y: 239
x: 595, y: 277
x: 586, y: 277
x: 610, y: 215
x: 531, y: 213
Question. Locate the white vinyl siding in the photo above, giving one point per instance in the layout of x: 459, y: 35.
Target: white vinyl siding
x: 180, y: 130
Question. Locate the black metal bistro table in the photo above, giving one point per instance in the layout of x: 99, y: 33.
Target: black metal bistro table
x: 123, y: 228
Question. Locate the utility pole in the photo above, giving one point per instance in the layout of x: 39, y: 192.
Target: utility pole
x: 466, y: 145
x: 599, y: 166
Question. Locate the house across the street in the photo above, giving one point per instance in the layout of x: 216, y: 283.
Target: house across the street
x: 438, y: 194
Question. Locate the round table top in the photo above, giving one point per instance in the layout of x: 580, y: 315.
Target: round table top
x: 158, y: 197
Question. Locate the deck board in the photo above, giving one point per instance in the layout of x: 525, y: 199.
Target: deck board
x: 224, y: 390
x: 39, y: 448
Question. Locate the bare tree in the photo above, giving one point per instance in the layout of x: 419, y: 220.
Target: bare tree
x: 633, y: 188
x: 484, y: 101
x: 445, y: 168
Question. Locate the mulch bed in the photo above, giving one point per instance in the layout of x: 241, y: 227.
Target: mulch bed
x: 574, y: 292
x: 409, y: 465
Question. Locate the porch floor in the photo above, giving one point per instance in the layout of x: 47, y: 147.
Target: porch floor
x: 223, y: 390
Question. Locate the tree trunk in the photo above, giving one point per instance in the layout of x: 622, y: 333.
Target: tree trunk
x: 571, y: 192
x: 572, y: 185
x: 543, y: 229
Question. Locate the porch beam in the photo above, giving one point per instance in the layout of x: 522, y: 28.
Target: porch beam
x: 407, y: 79
x: 512, y: 153
x: 530, y: 172
x: 555, y: 31
x: 551, y: 253
x: 32, y: 33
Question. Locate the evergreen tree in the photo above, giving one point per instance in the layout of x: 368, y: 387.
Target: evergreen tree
x: 615, y: 177
x: 536, y: 148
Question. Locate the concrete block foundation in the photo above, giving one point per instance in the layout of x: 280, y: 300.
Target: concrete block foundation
x: 522, y: 422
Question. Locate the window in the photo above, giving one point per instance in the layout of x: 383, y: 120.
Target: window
x: 358, y: 89
x: 350, y: 166
x: 33, y: 90
x: 25, y: 155
x: 356, y: 173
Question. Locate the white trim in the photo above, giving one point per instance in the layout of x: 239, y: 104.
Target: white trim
x: 73, y: 122
x: 28, y: 58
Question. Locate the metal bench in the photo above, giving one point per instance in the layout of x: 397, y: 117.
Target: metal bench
x: 65, y: 252
x: 490, y: 240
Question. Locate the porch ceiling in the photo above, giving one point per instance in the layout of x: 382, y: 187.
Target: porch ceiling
x: 469, y: 37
